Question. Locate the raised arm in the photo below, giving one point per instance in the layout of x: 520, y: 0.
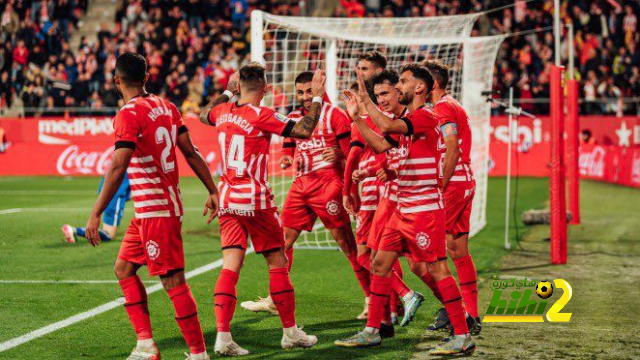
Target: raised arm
x: 232, y: 90
x: 382, y: 121
x: 378, y: 143
x: 199, y: 166
x: 304, y: 128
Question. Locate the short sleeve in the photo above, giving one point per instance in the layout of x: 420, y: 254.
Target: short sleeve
x: 273, y: 122
x: 340, y: 123
x: 356, y: 137
x: 126, y: 126
x: 423, y: 120
x: 445, y: 112
x: 177, y: 116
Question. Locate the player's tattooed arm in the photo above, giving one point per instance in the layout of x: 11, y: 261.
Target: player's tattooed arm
x: 112, y: 180
x: 304, y: 128
x: 233, y: 89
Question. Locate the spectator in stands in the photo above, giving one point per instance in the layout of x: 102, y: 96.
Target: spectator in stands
x: 611, y: 96
x: 239, y: 9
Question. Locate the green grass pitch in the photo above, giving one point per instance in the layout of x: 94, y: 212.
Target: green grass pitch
x: 327, y: 292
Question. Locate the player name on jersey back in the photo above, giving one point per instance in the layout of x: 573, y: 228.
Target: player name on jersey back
x: 333, y: 123
x: 244, y: 133
x: 152, y: 125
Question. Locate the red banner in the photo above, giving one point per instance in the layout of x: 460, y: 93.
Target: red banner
x: 614, y: 141
x: 80, y: 146
x: 83, y: 146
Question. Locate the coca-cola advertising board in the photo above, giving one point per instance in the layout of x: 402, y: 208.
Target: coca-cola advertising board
x: 80, y: 146
x: 83, y: 146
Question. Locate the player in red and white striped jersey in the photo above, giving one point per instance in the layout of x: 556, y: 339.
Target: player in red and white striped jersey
x: 385, y: 171
x: 247, y: 209
x: 317, y: 190
x: 147, y: 131
x: 417, y: 225
x: 459, y: 188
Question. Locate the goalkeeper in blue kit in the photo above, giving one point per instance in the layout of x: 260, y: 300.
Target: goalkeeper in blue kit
x: 111, y: 217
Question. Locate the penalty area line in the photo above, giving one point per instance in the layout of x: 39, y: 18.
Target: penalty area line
x: 10, y: 344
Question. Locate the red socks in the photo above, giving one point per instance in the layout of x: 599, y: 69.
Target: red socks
x: 225, y: 298
x: 397, y: 284
x: 468, y: 283
x: 362, y: 273
x: 187, y: 317
x: 135, y: 297
x: 282, y: 295
x: 452, y: 301
x: 379, y: 300
x: 289, y: 254
x: 431, y: 283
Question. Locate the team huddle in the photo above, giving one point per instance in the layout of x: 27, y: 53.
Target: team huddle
x: 401, y: 168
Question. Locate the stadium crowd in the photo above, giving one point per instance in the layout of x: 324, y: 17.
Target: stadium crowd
x: 193, y: 47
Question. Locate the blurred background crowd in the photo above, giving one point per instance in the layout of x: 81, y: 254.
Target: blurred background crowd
x: 193, y: 47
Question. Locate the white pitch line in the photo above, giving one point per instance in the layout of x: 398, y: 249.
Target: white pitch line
x: 10, y: 211
x: 10, y: 344
x: 68, y: 282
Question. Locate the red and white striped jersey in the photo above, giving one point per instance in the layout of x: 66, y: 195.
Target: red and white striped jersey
x: 450, y: 111
x: 392, y: 162
x: 151, y: 125
x: 370, y: 187
x: 244, y: 133
x: 419, y: 172
x: 333, y: 126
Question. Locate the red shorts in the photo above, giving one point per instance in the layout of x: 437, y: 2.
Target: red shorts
x: 318, y: 194
x: 458, y: 198
x: 421, y: 234
x: 155, y: 242
x: 364, y: 220
x: 386, y: 208
x: 262, y: 226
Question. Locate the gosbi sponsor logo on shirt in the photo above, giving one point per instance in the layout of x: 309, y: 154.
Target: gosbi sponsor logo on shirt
x: 524, y: 300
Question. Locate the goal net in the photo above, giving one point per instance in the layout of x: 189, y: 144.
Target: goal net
x: 290, y: 45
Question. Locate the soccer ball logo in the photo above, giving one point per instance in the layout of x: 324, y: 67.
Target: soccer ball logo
x: 153, y: 250
x: 422, y: 239
x: 333, y: 207
x: 544, y: 289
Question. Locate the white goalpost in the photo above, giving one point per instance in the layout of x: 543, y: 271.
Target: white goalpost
x: 290, y: 45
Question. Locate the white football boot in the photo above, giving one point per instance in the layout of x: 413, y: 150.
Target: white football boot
x: 262, y: 304
x: 201, y: 356
x: 225, y: 346
x: 145, y: 350
x: 69, y: 234
x: 294, y: 337
x: 365, y: 313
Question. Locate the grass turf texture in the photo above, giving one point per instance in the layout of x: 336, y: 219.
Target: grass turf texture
x: 327, y: 293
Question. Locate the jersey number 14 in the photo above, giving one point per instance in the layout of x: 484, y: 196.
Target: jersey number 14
x: 234, y: 156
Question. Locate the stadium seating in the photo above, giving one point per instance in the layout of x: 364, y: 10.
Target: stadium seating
x: 193, y: 46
